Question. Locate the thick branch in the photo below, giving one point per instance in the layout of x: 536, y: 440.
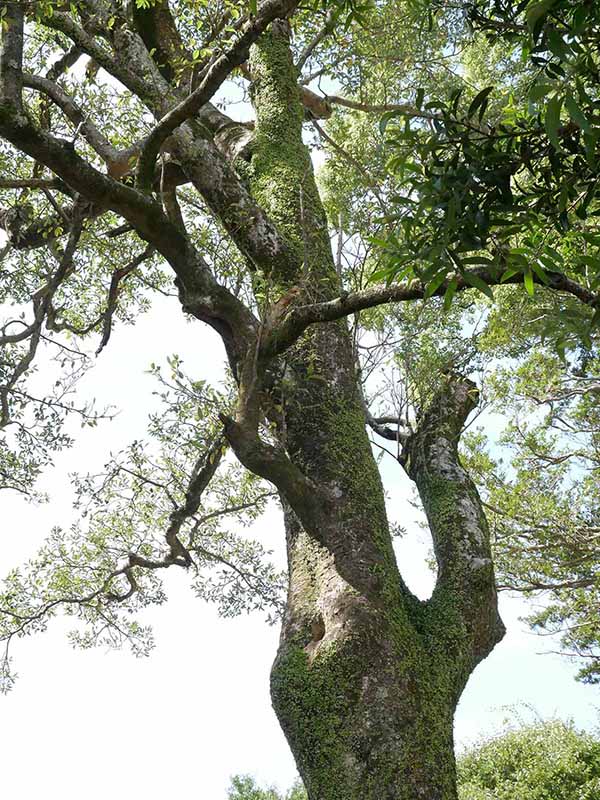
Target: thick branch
x: 465, y: 584
x: 213, y: 77
x: 150, y: 88
x: 300, y: 317
x: 230, y: 200
x: 201, y: 294
x: 270, y: 462
x: 11, y: 54
x: 406, y: 109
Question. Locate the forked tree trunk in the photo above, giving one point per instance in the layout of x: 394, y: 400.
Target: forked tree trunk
x: 367, y: 677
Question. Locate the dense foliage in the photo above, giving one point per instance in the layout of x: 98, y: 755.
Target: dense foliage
x: 545, y: 760
x: 502, y: 176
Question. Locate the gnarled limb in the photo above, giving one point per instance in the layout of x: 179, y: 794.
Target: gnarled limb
x: 299, y: 317
x: 465, y: 593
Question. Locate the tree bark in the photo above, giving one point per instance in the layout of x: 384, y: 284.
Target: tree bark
x: 367, y: 677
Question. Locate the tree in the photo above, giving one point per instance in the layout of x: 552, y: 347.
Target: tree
x: 243, y: 787
x: 549, y: 759
x: 133, y: 165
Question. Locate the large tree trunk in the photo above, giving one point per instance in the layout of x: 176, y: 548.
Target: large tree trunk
x: 367, y: 677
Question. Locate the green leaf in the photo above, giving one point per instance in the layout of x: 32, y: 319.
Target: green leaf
x: 509, y: 273
x: 552, y: 120
x: 479, y: 102
x: 449, y: 293
x: 385, y: 120
x: 528, y: 282
x: 539, y: 90
x: 478, y: 283
x: 435, y: 283
x: 576, y: 113
x: 536, y: 16
x: 539, y: 271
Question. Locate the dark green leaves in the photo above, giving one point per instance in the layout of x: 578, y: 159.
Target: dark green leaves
x: 479, y: 103
x: 473, y: 176
x: 552, y: 120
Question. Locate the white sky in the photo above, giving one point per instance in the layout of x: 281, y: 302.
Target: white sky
x: 181, y: 722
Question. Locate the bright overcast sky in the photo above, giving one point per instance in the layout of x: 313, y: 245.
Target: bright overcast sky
x: 178, y: 724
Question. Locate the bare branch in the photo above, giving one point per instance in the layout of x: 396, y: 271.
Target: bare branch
x: 113, y: 294
x: 330, y: 20
x: 41, y: 302
x: 202, y: 474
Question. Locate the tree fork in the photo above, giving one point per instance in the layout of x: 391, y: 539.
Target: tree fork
x: 367, y: 677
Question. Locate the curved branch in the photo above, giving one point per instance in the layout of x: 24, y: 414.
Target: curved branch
x: 300, y: 317
x: 71, y: 110
x: 465, y: 585
x: 200, y: 293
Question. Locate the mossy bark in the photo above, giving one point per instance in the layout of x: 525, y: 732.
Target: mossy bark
x: 367, y: 677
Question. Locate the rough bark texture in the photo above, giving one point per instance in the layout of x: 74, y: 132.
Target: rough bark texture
x: 367, y: 677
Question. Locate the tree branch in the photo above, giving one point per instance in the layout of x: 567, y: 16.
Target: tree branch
x: 300, y: 317
x: 113, y: 294
x: 200, y: 293
x: 72, y: 111
x: 11, y: 54
x: 465, y: 585
x: 214, y: 75
x: 330, y: 20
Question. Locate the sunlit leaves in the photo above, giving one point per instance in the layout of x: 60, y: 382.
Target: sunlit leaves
x: 125, y: 512
x: 541, y: 491
x: 549, y: 759
x: 503, y: 171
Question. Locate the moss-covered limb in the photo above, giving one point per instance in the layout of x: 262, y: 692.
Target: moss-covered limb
x: 463, y: 609
x: 367, y: 708
x: 281, y: 173
x: 211, y: 77
x: 365, y: 699
x: 350, y: 740
x: 324, y: 426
